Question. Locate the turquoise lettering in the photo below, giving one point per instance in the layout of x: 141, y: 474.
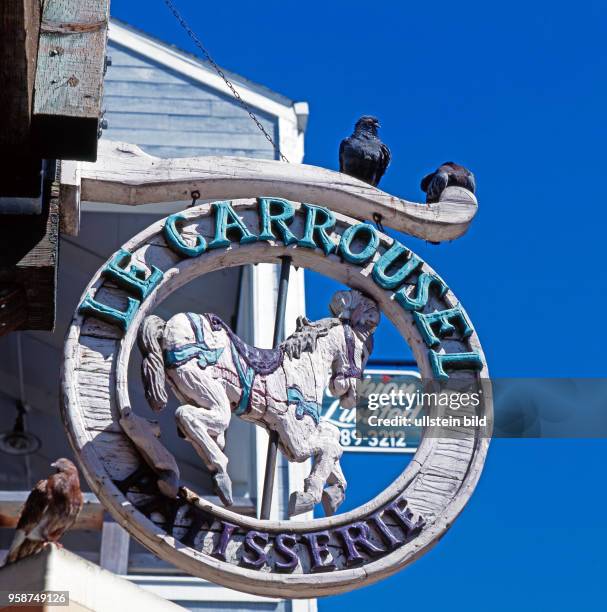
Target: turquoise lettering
x: 441, y: 362
x: 422, y: 292
x: 278, y: 220
x: 368, y: 232
x: 387, y: 259
x: 175, y: 239
x: 131, y: 277
x: 318, y: 229
x: 108, y: 314
x: 449, y: 322
x: 224, y: 213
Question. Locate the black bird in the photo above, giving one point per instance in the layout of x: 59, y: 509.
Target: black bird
x: 449, y: 174
x: 363, y: 155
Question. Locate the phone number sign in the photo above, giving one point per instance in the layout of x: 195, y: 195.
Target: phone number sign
x: 379, y: 382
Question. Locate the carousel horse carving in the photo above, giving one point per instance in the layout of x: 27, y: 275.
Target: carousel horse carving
x: 214, y: 374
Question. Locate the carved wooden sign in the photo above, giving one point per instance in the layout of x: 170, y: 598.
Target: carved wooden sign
x: 214, y: 375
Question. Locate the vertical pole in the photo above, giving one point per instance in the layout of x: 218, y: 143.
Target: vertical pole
x: 279, y: 333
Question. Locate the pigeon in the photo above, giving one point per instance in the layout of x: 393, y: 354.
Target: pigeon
x: 449, y: 174
x: 50, y: 510
x: 363, y: 155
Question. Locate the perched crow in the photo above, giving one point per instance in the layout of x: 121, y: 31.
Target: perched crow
x: 363, y: 155
x: 50, y: 510
x: 449, y: 174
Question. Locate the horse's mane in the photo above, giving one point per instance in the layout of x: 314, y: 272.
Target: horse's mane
x: 306, y: 335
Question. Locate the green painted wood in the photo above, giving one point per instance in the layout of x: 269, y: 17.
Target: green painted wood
x: 69, y: 78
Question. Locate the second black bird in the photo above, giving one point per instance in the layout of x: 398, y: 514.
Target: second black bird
x: 449, y: 174
x: 363, y: 155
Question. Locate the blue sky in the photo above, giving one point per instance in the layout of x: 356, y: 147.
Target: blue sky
x: 517, y: 92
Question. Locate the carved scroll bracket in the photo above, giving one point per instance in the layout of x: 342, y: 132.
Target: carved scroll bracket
x: 124, y: 174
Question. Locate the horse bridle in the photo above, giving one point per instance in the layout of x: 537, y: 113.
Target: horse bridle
x: 352, y: 371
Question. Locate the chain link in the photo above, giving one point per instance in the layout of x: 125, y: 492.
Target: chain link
x: 184, y: 24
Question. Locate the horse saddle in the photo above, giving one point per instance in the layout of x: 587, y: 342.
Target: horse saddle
x: 261, y: 361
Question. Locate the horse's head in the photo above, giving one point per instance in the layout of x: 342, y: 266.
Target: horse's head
x: 359, y: 317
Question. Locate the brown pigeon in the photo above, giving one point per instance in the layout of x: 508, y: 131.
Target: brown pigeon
x: 50, y: 510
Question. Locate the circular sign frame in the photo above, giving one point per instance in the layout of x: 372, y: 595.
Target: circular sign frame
x: 333, y: 554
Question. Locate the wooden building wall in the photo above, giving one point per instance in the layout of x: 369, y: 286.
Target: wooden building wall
x: 169, y: 115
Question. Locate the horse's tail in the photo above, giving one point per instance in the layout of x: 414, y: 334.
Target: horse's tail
x: 152, y: 367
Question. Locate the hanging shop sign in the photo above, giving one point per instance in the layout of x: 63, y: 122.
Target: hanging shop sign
x: 217, y: 377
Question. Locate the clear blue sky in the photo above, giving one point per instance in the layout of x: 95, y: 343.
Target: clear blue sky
x: 517, y: 92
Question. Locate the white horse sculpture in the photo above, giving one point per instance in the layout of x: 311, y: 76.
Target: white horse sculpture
x: 214, y: 374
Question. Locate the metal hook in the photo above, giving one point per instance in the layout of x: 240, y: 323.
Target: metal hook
x: 377, y: 218
x: 195, y: 196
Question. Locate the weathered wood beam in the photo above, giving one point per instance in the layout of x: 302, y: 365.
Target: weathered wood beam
x: 69, y: 78
x: 28, y: 259
x: 124, y: 174
x: 19, y: 29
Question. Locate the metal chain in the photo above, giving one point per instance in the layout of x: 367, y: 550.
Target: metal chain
x: 184, y: 24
